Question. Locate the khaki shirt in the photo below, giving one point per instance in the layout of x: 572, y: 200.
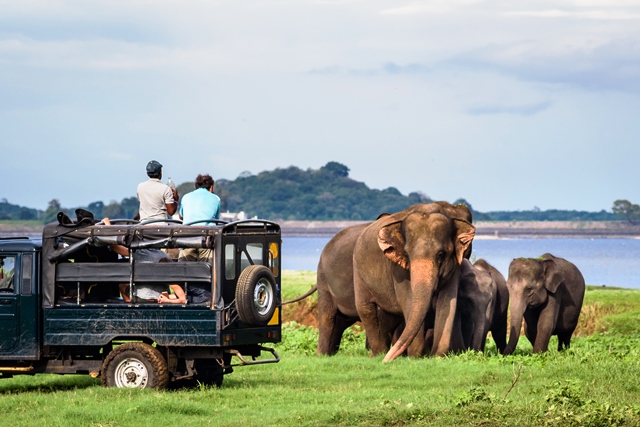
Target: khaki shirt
x: 154, y: 196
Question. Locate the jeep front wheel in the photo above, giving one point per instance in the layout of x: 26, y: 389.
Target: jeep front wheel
x: 135, y: 365
x: 256, y: 295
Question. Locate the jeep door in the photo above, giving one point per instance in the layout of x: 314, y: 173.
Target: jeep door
x: 8, y: 304
x: 19, y: 306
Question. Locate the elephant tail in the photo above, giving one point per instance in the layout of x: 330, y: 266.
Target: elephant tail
x: 303, y: 296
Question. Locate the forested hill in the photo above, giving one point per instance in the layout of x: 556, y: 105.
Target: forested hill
x: 314, y: 194
x: 329, y: 194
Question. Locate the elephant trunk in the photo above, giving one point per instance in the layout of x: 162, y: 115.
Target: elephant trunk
x: 424, y: 278
x: 517, y: 313
x: 479, y: 336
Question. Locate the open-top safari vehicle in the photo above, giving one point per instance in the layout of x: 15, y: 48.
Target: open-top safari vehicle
x: 62, y: 309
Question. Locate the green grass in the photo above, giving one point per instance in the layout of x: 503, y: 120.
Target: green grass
x: 610, y: 309
x: 9, y: 224
x: 595, y: 383
x: 296, y: 282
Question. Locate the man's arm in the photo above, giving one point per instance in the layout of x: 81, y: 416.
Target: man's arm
x: 173, y: 207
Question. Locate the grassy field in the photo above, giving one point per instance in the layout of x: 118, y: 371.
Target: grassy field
x: 595, y: 383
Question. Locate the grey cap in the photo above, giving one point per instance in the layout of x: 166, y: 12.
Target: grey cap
x: 154, y: 167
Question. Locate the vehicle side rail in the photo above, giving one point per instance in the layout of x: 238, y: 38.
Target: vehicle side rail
x: 253, y: 360
x: 143, y: 272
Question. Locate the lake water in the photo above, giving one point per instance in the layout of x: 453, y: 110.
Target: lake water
x: 610, y: 262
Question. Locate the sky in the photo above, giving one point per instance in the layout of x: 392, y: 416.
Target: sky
x: 509, y: 105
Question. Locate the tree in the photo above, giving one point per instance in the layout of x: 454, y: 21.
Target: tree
x: 337, y: 169
x: 627, y: 210
x: 419, y: 197
x: 112, y: 210
x: 129, y: 206
x: 51, y: 214
x: 96, y: 209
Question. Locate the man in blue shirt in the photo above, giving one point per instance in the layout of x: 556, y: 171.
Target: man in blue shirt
x: 200, y: 204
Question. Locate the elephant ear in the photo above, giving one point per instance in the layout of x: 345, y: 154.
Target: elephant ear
x: 465, y: 232
x: 391, y: 241
x: 553, y: 277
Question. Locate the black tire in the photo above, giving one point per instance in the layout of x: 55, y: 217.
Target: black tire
x: 209, y: 372
x: 256, y: 295
x: 135, y: 365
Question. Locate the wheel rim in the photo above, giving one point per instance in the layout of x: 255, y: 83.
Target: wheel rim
x: 131, y: 373
x: 263, y: 296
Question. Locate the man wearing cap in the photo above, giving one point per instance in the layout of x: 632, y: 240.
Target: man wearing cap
x: 157, y: 200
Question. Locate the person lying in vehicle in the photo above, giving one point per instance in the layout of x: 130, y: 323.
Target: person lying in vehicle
x: 150, y: 292
x: 154, y: 292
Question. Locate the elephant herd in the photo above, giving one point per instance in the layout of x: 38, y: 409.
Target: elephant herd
x: 407, y: 277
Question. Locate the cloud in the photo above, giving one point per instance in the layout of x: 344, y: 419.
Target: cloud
x: 429, y: 7
x: 608, y: 15
x: 387, y: 68
x: 611, y: 65
x: 392, y: 68
x: 518, y: 110
x: 329, y: 70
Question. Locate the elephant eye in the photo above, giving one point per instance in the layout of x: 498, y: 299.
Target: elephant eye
x: 440, y: 256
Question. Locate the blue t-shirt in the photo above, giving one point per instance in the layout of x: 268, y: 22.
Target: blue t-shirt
x: 198, y: 205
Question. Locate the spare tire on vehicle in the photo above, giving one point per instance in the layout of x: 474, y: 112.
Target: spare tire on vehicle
x: 256, y: 295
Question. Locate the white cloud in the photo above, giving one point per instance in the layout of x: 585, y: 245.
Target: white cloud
x: 520, y: 110
x: 609, y: 15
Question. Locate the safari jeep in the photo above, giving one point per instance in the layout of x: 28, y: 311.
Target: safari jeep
x: 62, y: 310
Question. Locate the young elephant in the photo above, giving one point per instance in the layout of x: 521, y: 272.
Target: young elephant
x: 547, y: 292
x: 501, y: 312
x: 476, y: 305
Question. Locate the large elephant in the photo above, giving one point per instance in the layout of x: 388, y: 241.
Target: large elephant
x: 404, y: 262
x: 498, y: 327
x: 476, y: 305
x: 547, y: 292
x: 335, y: 281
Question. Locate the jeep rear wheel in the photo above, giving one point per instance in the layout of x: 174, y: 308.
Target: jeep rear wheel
x: 256, y: 295
x: 135, y: 365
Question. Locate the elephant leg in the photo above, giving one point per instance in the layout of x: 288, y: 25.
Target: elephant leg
x: 331, y: 324
x: 428, y: 340
x: 342, y: 322
x: 466, y: 328
x: 530, y: 325
x: 368, y: 313
x: 546, y: 325
x: 564, y: 340
x: 416, y: 348
x: 389, y: 325
x: 499, y: 332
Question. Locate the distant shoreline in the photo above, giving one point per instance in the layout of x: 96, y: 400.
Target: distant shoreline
x: 491, y: 229
x: 484, y: 229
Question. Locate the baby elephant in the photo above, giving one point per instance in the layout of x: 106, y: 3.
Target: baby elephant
x: 476, y: 305
x: 547, y: 292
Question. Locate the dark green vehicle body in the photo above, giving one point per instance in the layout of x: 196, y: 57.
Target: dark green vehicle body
x: 62, y: 311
